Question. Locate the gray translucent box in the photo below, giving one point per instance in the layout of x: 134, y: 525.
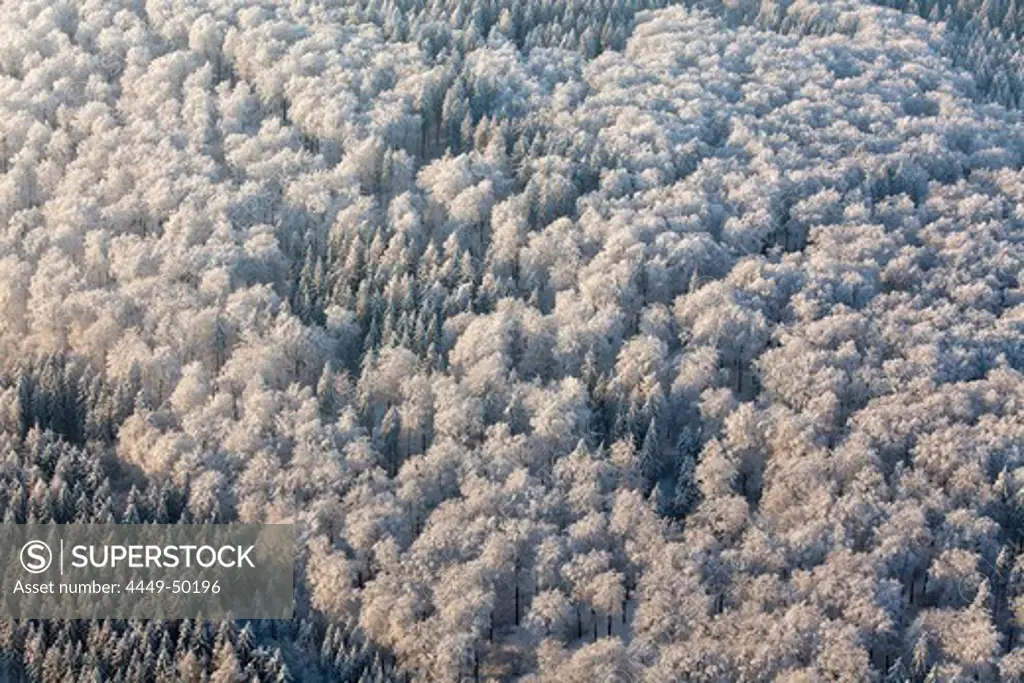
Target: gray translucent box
x: 146, y: 571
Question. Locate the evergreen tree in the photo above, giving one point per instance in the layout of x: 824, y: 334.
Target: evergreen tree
x: 686, y: 494
x: 650, y: 461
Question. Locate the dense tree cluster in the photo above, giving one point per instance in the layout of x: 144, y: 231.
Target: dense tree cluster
x: 578, y: 339
x: 46, y: 480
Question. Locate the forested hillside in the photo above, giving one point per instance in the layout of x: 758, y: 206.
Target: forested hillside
x: 586, y: 341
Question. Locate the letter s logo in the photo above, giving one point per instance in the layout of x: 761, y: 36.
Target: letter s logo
x: 36, y: 557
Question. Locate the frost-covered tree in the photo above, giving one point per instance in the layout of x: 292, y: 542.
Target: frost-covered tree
x: 584, y: 339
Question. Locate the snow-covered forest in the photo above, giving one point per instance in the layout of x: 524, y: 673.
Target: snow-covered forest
x: 583, y: 341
